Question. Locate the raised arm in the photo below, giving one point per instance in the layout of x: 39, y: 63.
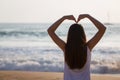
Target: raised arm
x: 101, y: 29
x: 54, y: 26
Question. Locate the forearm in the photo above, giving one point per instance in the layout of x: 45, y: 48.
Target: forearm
x: 55, y: 25
x: 98, y: 24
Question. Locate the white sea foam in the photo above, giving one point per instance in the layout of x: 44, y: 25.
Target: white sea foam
x: 51, y: 59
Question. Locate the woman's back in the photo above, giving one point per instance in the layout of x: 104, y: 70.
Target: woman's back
x: 82, y: 74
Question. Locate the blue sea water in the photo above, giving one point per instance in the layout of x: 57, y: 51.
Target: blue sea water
x: 27, y: 47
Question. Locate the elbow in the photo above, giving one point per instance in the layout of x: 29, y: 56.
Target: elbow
x: 104, y: 28
x: 48, y: 30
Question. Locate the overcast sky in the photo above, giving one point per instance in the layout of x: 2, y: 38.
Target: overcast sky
x: 50, y: 10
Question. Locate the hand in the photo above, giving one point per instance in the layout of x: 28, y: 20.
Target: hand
x: 70, y: 17
x: 82, y: 16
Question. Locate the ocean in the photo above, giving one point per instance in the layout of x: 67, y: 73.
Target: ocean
x: 27, y: 47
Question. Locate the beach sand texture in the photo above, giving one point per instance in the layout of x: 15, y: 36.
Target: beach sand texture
x: 25, y: 75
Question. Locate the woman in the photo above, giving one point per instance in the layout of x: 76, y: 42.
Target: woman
x: 77, y: 49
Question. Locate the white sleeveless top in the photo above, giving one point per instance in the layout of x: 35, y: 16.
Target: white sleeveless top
x: 82, y: 74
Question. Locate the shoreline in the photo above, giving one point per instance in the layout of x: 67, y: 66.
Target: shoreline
x: 29, y: 75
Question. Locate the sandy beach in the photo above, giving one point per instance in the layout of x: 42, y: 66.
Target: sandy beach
x: 26, y: 75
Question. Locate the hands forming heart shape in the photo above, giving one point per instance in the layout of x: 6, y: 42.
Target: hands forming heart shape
x: 71, y: 17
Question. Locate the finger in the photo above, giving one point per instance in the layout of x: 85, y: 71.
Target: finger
x: 78, y: 19
x: 82, y: 16
x: 74, y: 19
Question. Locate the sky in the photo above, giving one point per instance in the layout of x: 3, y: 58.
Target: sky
x: 37, y: 11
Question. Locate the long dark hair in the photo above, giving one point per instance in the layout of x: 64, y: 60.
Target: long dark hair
x: 75, y: 49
